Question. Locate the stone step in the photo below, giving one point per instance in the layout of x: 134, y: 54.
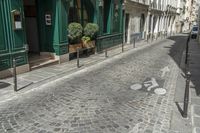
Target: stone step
x: 42, y: 63
x: 42, y: 58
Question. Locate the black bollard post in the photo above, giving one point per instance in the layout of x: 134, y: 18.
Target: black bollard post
x: 106, y: 53
x: 78, y: 62
x: 14, y: 75
x: 187, y: 50
x: 186, y: 97
x: 122, y: 47
x: 134, y: 43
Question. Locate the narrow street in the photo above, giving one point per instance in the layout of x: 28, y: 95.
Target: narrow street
x: 133, y: 93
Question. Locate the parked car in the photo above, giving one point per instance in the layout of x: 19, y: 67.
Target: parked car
x: 194, y: 32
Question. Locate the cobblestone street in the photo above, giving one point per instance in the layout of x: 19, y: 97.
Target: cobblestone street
x: 101, y: 99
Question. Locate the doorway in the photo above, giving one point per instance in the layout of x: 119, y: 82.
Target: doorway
x: 37, y: 58
x: 142, y: 24
x: 30, y: 13
x: 126, y: 26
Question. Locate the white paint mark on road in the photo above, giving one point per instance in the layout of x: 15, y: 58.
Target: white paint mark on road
x: 136, y: 87
x: 151, y: 84
x: 160, y: 91
x: 164, y: 71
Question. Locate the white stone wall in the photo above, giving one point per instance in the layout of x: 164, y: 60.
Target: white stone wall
x: 135, y: 12
x: 164, y: 16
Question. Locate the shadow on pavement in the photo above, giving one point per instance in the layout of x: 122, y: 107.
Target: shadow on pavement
x: 179, y: 108
x: 176, y: 52
x: 4, y: 85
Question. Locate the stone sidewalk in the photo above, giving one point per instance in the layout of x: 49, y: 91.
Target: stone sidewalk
x: 194, y: 60
x: 38, y: 77
x: 192, y: 123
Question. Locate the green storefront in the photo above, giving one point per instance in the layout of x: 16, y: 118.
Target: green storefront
x: 39, y: 27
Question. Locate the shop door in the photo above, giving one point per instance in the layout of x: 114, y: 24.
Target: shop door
x: 30, y: 11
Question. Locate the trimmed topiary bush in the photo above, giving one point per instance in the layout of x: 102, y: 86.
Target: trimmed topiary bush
x: 91, y: 30
x: 75, y: 32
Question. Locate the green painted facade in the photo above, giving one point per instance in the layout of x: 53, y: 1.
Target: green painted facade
x: 12, y: 43
x: 53, y: 38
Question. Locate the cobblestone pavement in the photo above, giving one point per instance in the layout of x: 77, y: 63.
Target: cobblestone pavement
x: 100, y: 100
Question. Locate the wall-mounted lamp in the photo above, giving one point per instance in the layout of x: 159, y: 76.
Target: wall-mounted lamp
x: 101, y: 2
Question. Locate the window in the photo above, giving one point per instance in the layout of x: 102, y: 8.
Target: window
x: 142, y: 23
x: 195, y: 29
x: 106, y: 15
x: 88, y: 8
x: 116, y: 16
x: 81, y: 11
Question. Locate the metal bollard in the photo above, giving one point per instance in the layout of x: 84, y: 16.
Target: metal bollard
x: 78, y: 62
x: 187, y: 51
x: 122, y: 47
x: 106, y: 53
x: 186, y: 97
x: 14, y: 75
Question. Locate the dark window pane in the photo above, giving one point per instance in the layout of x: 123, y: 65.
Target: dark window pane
x: 195, y: 28
x: 106, y: 13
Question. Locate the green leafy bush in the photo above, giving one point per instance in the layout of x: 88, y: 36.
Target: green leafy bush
x: 75, y: 32
x: 85, y: 39
x: 91, y: 30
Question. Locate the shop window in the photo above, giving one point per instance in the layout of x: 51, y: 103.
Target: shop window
x: 1, y: 34
x: 75, y: 11
x: 106, y: 15
x: 116, y: 16
x: 81, y: 11
x: 88, y: 8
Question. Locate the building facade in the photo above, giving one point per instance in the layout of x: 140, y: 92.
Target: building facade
x: 181, y: 15
x: 39, y: 27
x: 190, y: 14
x: 136, y: 18
x: 150, y: 18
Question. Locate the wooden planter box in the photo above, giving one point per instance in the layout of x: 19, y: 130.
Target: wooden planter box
x: 73, y: 47
x: 90, y: 46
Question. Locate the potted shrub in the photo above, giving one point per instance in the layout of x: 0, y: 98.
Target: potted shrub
x: 75, y: 32
x: 90, y: 33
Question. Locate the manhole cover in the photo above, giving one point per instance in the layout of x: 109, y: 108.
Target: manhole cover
x: 160, y: 91
x: 4, y: 85
x: 136, y: 87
